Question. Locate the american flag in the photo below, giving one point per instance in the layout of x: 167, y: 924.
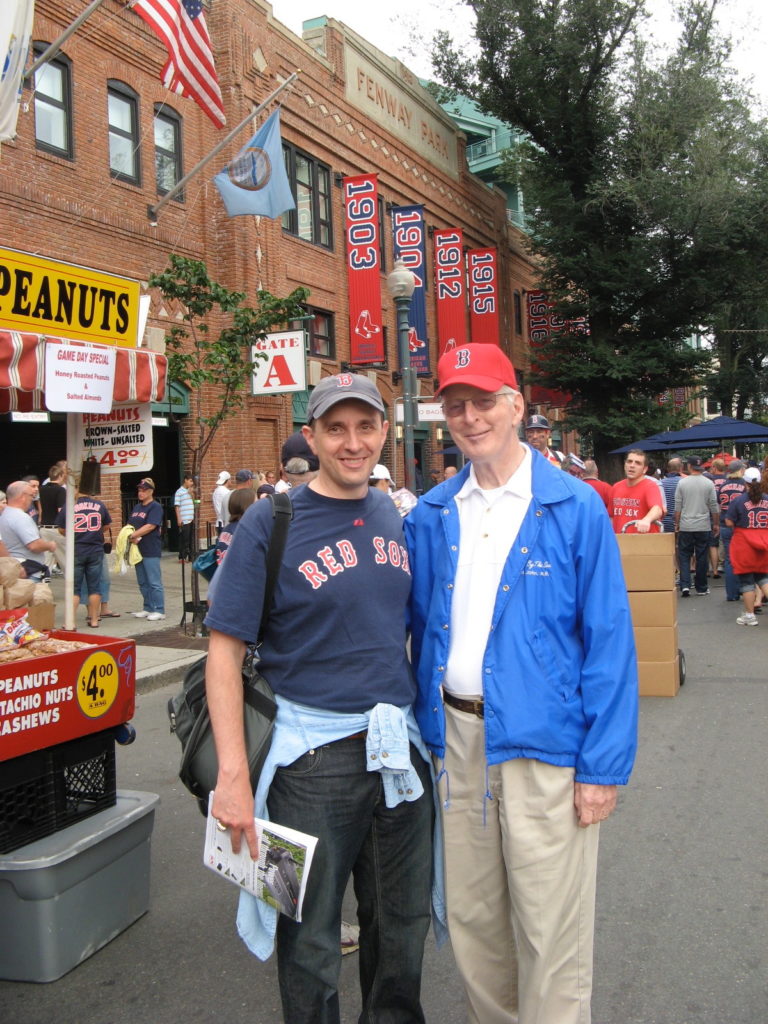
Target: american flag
x: 189, y: 70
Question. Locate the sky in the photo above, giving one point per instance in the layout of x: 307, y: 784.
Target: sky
x: 392, y: 27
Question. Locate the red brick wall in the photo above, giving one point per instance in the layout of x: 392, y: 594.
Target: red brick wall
x: 73, y: 210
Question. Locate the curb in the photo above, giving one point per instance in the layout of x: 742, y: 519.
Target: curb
x: 149, y: 679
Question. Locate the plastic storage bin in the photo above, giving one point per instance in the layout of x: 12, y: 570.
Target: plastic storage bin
x: 65, y: 896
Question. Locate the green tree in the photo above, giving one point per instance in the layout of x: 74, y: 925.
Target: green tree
x: 633, y: 174
x: 215, y: 365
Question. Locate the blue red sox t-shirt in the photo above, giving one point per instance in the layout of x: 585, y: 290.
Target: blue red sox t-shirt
x: 150, y: 545
x: 336, y: 635
x: 91, y: 516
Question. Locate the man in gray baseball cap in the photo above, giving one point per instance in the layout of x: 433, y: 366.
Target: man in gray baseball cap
x: 537, y: 434
x: 339, y: 388
x: 334, y: 653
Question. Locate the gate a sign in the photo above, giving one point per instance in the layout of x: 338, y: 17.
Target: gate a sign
x: 284, y: 369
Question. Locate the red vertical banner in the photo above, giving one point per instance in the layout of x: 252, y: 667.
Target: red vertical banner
x: 361, y: 218
x: 450, y: 289
x: 482, y: 268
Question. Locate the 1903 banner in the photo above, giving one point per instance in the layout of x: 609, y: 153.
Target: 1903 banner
x: 361, y: 215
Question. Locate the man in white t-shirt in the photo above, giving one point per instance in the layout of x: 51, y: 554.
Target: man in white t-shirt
x: 220, y: 497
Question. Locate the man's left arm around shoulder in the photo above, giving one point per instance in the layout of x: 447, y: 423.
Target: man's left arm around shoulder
x: 233, y: 797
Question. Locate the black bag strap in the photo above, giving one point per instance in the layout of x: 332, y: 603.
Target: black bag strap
x: 282, y: 513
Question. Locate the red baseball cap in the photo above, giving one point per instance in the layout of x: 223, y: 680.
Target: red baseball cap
x: 480, y: 365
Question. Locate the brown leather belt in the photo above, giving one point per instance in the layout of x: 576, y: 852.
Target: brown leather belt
x: 471, y: 707
x: 355, y: 736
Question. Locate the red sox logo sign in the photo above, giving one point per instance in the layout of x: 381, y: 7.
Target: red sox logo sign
x: 462, y: 358
x: 344, y: 380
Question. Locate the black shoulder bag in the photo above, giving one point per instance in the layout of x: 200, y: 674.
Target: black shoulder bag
x: 188, y: 710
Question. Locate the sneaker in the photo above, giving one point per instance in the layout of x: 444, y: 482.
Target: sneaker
x: 155, y: 616
x: 56, y: 572
x: 685, y: 592
x: 140, y: 615
x: 747, y: 620
x: 350, y: 936
x: 702, y: 593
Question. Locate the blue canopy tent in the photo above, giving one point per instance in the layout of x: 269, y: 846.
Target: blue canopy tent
x: 703, y: 435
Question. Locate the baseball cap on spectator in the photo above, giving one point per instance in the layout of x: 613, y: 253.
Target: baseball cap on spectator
x: 537, y: 422
x: 339, y: 388
x: 735, y: 465
x: 694, y: 462
x: 752, y: 475
x: 479, y: 365
x: 265, y: 489
x: 147, y: 484
x: 575, y: 461
x: 242, y: 476
x: 222, y: 478
x: 296, y: 447
x: 380, y: 472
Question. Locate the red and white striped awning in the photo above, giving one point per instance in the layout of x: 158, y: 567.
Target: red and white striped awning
x: 139, y: 373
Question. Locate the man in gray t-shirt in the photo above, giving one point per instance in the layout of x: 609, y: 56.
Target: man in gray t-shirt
x: 697, y: 514
x: 19, y: 532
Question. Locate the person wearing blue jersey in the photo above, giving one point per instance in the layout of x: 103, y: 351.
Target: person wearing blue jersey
x: 147, y: 520
x: 334, y: 652
x: 524, y: 655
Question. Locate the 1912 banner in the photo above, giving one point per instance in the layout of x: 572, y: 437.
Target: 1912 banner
x: 483, y: 295
x: 450, y: 287
x: 366, y: 338
x: 409, y: 246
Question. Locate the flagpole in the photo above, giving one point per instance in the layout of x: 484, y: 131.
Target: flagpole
x: 152, y: 211
x: 58, y: 43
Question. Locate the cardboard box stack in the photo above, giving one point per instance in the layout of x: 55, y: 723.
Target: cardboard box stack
x: 22, y: 593
x: 649, y: 572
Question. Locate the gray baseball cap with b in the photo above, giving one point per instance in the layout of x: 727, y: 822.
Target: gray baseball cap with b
x: 339, y: 388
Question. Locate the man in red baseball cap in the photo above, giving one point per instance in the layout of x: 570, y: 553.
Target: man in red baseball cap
x: 525, y: 663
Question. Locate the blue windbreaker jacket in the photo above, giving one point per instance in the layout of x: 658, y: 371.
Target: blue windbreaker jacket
x: 559, y: 670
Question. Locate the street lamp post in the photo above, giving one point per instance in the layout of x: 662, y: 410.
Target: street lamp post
x: 401, y: 283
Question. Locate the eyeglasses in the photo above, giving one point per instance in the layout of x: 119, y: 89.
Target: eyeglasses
x: 484, y: 403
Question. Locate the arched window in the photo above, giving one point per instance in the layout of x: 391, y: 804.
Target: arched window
x: 53, y: 104
x: 123, y: 114
x: 168, y: 163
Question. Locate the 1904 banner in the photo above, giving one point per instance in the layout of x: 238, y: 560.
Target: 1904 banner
x: 408, y: 233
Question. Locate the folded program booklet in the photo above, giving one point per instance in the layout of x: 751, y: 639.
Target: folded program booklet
x: 279, y: 875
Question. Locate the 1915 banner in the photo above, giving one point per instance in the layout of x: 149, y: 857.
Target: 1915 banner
x: 450, y: 287
x: 366, y: 338
x: 483, y: 295
x: 409, y: 246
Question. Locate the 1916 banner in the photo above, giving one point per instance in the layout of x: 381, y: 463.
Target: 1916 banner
x: 483, y: 295
x: 409, y: 246
x: 450, y: 287
x: 366, y: 338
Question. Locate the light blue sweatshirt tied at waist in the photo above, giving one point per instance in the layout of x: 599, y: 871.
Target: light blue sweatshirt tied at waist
x: 299, y: 728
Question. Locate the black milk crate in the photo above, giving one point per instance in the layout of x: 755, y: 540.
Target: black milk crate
x: 47, y: 790
x: 84, y: 776
x: 27, y: 800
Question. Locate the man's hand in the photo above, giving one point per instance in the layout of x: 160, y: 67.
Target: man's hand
x: 233, y: 807
x: 593, y: 803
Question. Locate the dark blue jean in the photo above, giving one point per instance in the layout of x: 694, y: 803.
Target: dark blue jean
x: 329, y: 793
x: 88, y: 570
x: 732, y: 590
x: 693, y: 542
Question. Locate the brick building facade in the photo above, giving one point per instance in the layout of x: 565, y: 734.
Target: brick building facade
x: 94, y: 135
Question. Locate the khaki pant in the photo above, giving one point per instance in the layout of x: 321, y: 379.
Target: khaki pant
x: 520, y: 881
x: 56, y: 557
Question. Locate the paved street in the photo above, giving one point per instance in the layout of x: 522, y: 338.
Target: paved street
x: 682, y: 933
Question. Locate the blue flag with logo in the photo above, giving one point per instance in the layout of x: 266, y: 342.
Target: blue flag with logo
x: 255, y: 182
